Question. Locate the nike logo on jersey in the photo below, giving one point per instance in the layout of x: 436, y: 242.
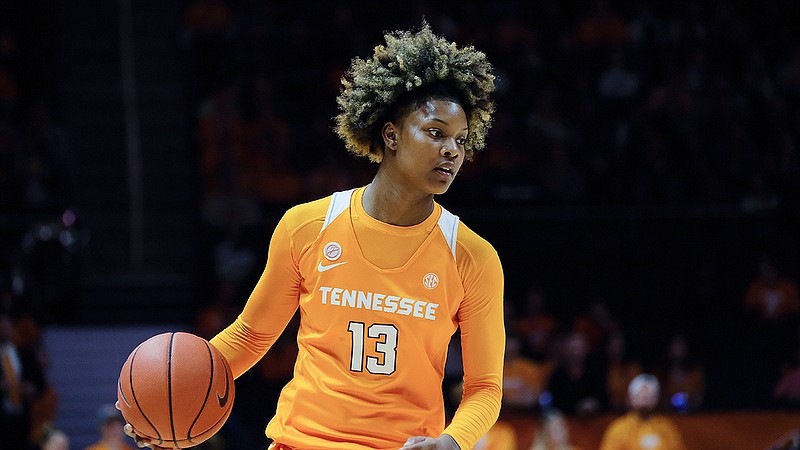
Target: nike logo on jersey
x: 322, y: 268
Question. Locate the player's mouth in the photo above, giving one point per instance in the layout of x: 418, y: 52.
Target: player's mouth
x: 445, y: 170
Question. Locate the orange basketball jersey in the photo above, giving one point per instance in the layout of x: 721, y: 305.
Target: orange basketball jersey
x: 373, y: 339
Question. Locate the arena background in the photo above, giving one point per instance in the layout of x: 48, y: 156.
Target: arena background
x: 644, y: 159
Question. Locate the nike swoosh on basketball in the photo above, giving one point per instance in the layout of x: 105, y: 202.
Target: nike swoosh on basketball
x: 224, y: 399
x: 322, y: 268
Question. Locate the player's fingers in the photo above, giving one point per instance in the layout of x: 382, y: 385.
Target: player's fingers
x: 413, y: 440
x: 128, y: 429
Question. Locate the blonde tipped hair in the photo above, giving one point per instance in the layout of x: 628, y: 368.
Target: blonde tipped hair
x: 405, y: 66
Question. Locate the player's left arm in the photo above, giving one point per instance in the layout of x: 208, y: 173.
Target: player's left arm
x: 483, y: 337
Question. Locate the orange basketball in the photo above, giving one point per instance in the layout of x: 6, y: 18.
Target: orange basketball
x: 175, y: 389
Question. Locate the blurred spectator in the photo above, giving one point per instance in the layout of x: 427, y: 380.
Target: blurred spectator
x: 264, y: 142
x: 643, y: 427
x: 553, y: 433
x: 561, y: 180
x: 523, y: 379
x: 601, y: 27
x: 683, y: 377
x: 536, y: 327
x: 772, y: 305
x: 786, y: 392
x: 245, y: 145
x: 502, y: 436
x: 109, y: 423
x: 617, y: 88
x: 210, y: 320
x: 772, y: 296
x: 208, y: 16
x: 207, y: 26
x: 621, y: 368
x: 55, y: 439
x: 577, y: 385
x: 234, y: 261
x: 28, y: 338
x: 789, y: 441
x: 595, y: 323
x: 618, y: 83
x: 21, y: 383
x: 759, y: 195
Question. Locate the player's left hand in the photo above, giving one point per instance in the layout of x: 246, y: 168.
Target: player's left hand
x: 443, y: 442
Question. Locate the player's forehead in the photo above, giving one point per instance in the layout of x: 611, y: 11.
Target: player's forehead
x: 446, y: 112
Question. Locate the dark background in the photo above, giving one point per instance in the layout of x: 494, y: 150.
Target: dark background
x: 644, y: 156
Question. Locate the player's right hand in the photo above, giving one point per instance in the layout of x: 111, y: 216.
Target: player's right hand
x: 143, y: 442
x: 140, y: 441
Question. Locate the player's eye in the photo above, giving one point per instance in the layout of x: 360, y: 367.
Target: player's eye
x: 462, y: 141
x: 435, y: 132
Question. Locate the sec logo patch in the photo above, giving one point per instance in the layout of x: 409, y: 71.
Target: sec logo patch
x: 430, y: 280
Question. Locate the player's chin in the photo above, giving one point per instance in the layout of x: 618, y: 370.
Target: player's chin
x: 440, y: 187
x: 440, y: 190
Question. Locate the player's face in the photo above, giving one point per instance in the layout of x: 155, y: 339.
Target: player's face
x: 430, y: 146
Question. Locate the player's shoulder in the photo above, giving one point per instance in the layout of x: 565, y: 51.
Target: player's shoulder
x: 474, y: 245
x: 305, y: 215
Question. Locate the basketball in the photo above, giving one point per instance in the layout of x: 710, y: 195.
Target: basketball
x: 175, y: 389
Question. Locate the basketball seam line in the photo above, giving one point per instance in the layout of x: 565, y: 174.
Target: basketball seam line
x: 169, y: 389
x: 136, y: 401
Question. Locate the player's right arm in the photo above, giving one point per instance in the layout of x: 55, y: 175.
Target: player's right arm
x: 269, y: 309
x: 272, y: 302
x: 275, y: 298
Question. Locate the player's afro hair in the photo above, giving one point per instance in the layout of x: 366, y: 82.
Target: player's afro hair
x: 409, y: 69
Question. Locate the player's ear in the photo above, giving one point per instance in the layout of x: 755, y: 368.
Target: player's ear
x: 389, y: 134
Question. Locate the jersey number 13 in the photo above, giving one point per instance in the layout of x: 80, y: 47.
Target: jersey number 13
x: 384, y: 338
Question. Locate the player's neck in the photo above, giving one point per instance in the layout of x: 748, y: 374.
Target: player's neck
x: 389, y: 204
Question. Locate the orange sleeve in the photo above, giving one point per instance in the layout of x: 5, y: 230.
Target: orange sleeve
x: 275, y: 298
x: 482, y: 340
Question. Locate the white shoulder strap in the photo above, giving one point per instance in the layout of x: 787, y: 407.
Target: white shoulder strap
x: 448, y: 223
x: 339, y: 202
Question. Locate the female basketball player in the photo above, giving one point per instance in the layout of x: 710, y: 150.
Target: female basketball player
x: 382, y: 274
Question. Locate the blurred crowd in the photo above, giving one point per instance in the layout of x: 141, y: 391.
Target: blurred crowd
x: 584, y: 365
x: 686, y: 106
x: 599, y: 102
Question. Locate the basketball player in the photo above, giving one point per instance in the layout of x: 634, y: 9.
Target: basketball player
x: 383, y: 276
